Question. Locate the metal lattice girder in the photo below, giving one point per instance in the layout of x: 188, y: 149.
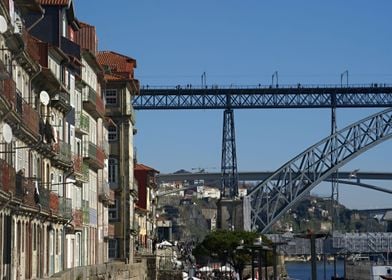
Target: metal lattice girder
x: 269, y: 200
x: 229, y: 184
x: 264, y: 97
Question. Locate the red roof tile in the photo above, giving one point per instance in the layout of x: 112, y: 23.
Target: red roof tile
x: 54, y: 2
x: 117, y: 64
x: 139, y: 166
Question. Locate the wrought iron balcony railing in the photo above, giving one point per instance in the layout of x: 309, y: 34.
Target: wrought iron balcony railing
x: 86, y: 211
x: 65, y: 209
x: 61, y: 101
x: 63, y: 151
x: 77, y: 218
x: 93, y: 103
x: 111, y: 231
x: 70, y: 47
x: 94, y: 155
x: 106, y: 195
x: 7, y: 177
x: 82, y: 122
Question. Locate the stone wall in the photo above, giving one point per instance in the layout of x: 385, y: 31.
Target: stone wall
x: 143, y: 270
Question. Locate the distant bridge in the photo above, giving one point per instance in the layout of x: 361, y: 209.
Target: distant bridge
x: 337, y: 243
x: 262, y: 175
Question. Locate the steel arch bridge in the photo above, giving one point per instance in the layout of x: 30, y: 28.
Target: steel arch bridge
x: 258, y: 97
x: 269, y: 200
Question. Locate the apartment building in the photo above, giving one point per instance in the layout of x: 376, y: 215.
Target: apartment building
x: 66, y: 195
x: 145, y: 210
x: 91, y: 117
x: 34, y: 150
x: 120, y: 87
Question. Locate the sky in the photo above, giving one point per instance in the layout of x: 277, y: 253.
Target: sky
x: 244, y: 43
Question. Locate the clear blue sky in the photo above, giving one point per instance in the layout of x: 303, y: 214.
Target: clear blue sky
x: 244, y: 42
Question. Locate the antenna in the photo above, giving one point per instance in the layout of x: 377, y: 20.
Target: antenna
x: 7, y: 133
x: 3, y: 25
x: 44, y: 97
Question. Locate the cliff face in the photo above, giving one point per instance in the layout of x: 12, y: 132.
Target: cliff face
x: 315, y: 213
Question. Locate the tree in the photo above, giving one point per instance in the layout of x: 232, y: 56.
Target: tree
x: 232, y: 247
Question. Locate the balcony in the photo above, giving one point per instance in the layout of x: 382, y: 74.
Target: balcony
x: 65, y: 208
x: 63, y: 154
x: 106, y: 195
x: 86, y: 211
x: 61, y: 101
x: 103, y: 192
x: 70, y: 47
x: 28, y: 6
x: 9, y: 92
x: 30, y: 118
x: 21, y: 113
x: 7, y: 177
x: 26, y: 48
x: 111, y: 231
x: 93, y: 103
x: 95, y: 156
x: 54, y: 202
x: 77, y: 164
x: 77, y: 221
x: 82, y: 123
x: 44, y: 198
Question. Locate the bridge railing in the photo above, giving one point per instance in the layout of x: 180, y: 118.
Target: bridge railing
x: 260, y: 86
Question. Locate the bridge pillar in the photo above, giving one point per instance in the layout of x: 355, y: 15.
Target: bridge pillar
x: 229, y: 180
x: 230, y: 214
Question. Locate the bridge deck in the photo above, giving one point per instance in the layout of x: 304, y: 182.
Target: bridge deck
x: 290, y: 96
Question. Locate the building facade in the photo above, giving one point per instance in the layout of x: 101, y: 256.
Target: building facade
x: 119, y: 90
x: 54, y: 150
x: 145, y: 210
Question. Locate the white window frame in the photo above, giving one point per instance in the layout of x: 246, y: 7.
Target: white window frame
x: 113, y: 248
x: 113, y: 171
x: 114, y: 211
x: 111, y: 97
x: 112, y: 133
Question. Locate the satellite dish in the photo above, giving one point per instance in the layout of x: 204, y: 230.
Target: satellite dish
x: 3, y: 25
x: 7, y: 133
x: 44, y: 97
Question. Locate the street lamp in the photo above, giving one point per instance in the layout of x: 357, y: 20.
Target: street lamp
x: 342, y: 76
x: 312, y: 237
x: 275, y: 74
x: 259, y: 246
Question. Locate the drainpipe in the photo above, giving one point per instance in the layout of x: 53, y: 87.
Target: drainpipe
x: 64, y: 254
x: 33, y: 77
x: 37, y: 21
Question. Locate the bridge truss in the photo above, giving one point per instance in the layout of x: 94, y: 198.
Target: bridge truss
x: 317, y: 96
x: 269, y: 200
x: 260, y: 97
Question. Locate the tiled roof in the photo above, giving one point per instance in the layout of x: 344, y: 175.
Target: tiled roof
x: 54, y: 2
x: 139, y: 166
x: 117, y: 62
x: 113, y: 77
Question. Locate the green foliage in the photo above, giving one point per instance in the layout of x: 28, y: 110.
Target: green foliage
x: 233, y: 247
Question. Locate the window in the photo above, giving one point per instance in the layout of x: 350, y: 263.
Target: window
x: 112, y: 133
x: 113, y: 171
x: 113, y: 248
x: 113, y: 211
x: 111, y: 97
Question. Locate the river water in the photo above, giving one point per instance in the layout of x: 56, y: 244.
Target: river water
x: 302, y: 270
